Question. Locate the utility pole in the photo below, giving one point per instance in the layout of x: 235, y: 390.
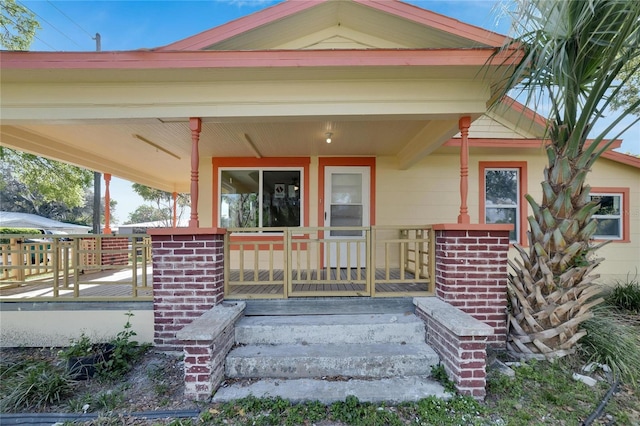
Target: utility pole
x: 97, y: 176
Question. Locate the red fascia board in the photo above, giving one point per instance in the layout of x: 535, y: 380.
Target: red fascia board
x: 524, y: 111
x: 255, y: 59
x: 516, y: 143
x: 437, y: 21
x: 619, y: 157
x: 240, y: 25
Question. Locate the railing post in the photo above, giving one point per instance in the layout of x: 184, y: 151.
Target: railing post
x: 134, y: 264
x: 432, y: 260
x: 55, y: 248
x: 227, y: 262
x: 287, y: 287
x: 371, y: 257
x: 16, y: 258
x: 76, y: 265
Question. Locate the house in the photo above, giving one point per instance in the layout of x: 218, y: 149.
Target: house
x: 320, y: 141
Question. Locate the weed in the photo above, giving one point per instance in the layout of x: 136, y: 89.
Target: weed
x: 125, y: 352
x: 354, y: 412
x: 36, y: 385
x: 108, y: 401
x: 439, y: 374
x: 78, y: 347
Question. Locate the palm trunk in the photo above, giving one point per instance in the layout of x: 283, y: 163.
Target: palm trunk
x: 551, y: 288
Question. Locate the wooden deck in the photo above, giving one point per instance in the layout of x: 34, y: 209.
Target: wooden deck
x: 117, y: 285
x: 322, y: 283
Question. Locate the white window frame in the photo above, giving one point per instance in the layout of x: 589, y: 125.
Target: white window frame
x: 619, y: 216
x: 517, y: 207
x: 260, y: 170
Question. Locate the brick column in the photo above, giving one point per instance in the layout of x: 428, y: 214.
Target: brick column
x: 115, y: 251
x: 188, y: 279
x: 471, y: 272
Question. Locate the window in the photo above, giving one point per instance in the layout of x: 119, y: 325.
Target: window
x: 260, y: 198
x: 611, y: 217
x: 502, y: 191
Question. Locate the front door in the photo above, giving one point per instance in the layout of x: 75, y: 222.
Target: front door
x: 347, y: 204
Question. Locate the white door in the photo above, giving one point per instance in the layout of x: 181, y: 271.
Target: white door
x: 346, y: 204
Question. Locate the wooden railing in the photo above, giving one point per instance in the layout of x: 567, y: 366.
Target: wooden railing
x: 380, y: 261
x: 78, y: 267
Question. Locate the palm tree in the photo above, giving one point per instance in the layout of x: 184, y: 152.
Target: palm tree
x: 572, y: 54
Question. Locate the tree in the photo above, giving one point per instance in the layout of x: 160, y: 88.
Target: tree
x: 630, y: 93
x: 32, y: 184
x: 19, y: 26
x: 163, y: 205
x: 147, y: 213
x: 573, y: 54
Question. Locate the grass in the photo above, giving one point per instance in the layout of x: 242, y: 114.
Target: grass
x: 613, y: 334
x: 540, y: 393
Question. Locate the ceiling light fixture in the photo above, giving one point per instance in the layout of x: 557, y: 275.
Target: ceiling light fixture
x: 328, y: 135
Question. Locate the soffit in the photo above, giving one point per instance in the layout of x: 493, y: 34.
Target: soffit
x: 158, y: 154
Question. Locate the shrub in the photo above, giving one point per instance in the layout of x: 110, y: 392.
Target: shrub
x: 626, y: 296
x: 36, y: 385
x: 125, y: 352
x: 611, y: 340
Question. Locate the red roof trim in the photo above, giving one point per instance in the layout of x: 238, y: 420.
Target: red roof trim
x: 618, y: 157
x: 524, y: 111
x: 240, y: 25
x: 437, y: 21
x: 248, y: 59
x: 289, y: 8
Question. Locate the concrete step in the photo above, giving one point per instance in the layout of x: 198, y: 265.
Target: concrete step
x: 335, y: 329
x: 329, y: 306
x: 320, y: 360
x: 390, y: 390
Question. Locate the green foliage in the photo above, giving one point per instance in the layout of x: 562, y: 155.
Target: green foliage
x: 35, y: 385
x: 18, y: 26
x: 161, y: 208
x: 613, y: 341
x: 147, y: 213
x: 626, y: 296
x: 38, y: 185
x: 354, y: 412
x: 79, y: 347
x: 125, y: 353
x: 630, y: 93
x: 439, y: 374
x: 459, y: 410
x: 542, y: 389
x: 122, y: 353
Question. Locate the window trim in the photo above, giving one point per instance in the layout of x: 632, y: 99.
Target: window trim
x: 522, y: 189
x: 272, y: 163
x: 623, y: 192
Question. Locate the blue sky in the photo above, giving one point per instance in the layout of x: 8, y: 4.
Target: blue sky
x: 70, y: 25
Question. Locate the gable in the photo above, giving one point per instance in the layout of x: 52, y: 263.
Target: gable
x: 341, y: 24
x: 494, y: 126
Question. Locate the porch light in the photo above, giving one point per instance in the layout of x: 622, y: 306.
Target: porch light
x: 328, y: 135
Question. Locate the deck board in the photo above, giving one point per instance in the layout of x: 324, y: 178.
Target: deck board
x: 328, y: 281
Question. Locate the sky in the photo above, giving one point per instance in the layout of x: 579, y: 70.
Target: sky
x: 130, y: 25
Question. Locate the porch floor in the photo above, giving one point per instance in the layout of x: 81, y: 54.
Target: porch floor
x: 323, y: 282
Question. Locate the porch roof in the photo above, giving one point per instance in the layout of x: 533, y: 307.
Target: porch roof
x: 258, y: 95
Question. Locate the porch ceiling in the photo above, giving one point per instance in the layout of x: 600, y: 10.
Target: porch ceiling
x: 160, y: 154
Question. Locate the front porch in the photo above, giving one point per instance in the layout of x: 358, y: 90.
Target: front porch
x: 376, y: 261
